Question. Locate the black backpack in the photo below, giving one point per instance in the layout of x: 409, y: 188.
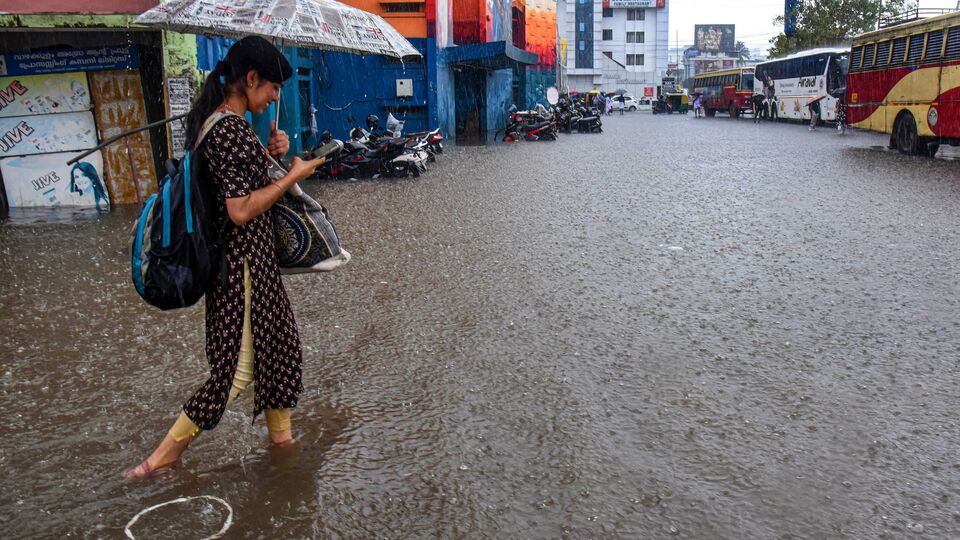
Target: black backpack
x: 176, y: 251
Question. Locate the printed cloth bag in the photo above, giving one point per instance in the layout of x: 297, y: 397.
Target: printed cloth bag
x: 307, y: 241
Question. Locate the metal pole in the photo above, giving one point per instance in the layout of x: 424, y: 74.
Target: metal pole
x: 125, y: 134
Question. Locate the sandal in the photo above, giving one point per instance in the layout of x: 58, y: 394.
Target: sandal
x: 148, y: 471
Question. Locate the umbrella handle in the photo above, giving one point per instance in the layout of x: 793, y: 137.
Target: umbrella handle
x: 112, y: 140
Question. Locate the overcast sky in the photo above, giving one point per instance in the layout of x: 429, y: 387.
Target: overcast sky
x: 754, y: 18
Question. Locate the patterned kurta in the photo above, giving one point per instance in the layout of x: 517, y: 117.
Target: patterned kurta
x: 235, y: 164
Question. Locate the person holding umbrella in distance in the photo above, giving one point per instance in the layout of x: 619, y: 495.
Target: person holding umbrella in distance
x: 251, y: 334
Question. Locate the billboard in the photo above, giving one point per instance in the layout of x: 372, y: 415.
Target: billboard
x: 715, y: 38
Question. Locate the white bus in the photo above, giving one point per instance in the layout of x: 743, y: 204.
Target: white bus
x: 802, y: 76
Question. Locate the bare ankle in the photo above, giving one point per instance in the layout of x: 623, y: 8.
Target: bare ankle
x: 281, y: 438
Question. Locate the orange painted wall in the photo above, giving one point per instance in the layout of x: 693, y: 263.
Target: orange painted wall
x: 410, y: 25
x: 541, y: 31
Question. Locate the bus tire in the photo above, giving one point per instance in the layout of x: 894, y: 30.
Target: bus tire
x: 710, y: 112
x: 734, y: 112
x: 905, y: 135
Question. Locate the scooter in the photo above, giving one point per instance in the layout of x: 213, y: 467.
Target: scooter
x: 392, y: 156
x: 535, y: 125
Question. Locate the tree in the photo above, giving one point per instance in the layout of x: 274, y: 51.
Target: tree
x: 742, y: 52
x: 832, y: 22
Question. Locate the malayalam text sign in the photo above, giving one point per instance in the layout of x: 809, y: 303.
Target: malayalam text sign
x: 67, y: 60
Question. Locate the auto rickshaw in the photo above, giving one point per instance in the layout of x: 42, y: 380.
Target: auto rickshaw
x: 672, y: 102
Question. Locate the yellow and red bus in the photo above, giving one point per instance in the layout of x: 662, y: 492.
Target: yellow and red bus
x: 725, y: 90
x: 905, y: 81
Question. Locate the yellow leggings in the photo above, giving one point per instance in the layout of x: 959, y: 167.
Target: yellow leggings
x: 277, y: 419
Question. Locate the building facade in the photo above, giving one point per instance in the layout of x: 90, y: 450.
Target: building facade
x: 612, y: 45
x: 69, y: 80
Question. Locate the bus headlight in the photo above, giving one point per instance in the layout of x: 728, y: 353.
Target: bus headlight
x: 932, y: 117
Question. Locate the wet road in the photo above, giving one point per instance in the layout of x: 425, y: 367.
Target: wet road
x: 679, y: 328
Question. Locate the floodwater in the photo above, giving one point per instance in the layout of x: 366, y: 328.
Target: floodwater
x: 680, y: 328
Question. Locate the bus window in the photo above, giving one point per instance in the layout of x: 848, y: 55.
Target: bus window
x: 934, y: 45
x: 760, y: 73
x: 843, y: 60
x: 953, y: 43
x: 899, y: 49
x: 746, y: 83
x: 855, y: 58
x: 868, y: 51
x: 916, y: 49
x: 883, y: 53
x: 835, y: 75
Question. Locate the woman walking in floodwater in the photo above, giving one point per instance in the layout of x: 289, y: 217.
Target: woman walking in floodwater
x: 250, y: 330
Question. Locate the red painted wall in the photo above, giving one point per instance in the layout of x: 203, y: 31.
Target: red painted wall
x: 99, y: 7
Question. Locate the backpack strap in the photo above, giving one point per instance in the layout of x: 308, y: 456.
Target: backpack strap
x: 208, y: 124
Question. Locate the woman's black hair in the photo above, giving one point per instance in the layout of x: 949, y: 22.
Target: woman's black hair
x: 252, y: 53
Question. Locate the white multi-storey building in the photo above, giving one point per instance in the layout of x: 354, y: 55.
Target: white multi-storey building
x: 613, y: 44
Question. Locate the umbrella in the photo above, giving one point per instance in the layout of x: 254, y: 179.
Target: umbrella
x: 815, y: 99
x: 618, y: 92
x: 318, y: 24
x: 839, y: 93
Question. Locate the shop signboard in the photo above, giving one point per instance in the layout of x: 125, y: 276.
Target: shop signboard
x: 69, y: 60
x: 47, y: 180
x: 659, y: 4
x: 47, y: 133
x: 43, y: 94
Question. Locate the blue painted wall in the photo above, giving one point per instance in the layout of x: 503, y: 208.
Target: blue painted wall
x: 344, y: 88
x: 442, y: 106
x: 498, y: 100
x: 350, y: 87
x: 536, y: 84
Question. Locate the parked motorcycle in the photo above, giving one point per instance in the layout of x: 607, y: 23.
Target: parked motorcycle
x: 533, y: 125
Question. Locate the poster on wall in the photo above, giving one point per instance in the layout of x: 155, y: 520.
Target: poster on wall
x: 47, y: 180
x: 180, y: 98
x: 26, y: 135
x: 44, y: 94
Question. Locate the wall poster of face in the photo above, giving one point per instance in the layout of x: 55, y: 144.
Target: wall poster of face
x: 47, y: 180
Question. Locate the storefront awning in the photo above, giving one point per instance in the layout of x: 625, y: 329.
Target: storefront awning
x: 493, y: 55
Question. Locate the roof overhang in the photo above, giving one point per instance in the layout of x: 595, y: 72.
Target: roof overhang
x: 493, y: 55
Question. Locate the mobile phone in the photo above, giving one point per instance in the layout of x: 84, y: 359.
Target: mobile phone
x: 326, y: 150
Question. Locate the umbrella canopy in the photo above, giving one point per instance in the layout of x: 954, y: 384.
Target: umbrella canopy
x: 815, y: 99
x: 318, y: 24
x: 839, y: 93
